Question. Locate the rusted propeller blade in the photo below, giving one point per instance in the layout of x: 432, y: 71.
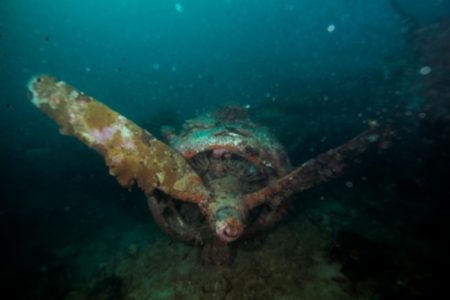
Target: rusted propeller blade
x: 132, y: 154
x: 324, y: 167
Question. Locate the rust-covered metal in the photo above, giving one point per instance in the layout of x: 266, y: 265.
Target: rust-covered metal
x: 221, y: 179
x: 324, y: 167
x: 228, y: 131
x: 133, y: 155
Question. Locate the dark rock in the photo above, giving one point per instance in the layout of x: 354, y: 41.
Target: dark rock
x: 360, y: 257
x: 110, y: 288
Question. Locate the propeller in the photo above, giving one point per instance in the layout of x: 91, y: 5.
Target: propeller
x: 134, y: 156
x: 324, y: 167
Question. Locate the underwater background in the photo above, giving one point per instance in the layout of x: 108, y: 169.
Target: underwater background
x: 314, y: 72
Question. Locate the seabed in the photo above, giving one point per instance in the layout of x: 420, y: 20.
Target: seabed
x: 305, y: 257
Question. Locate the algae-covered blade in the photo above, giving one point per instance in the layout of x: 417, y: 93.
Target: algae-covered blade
x: 132, y: 154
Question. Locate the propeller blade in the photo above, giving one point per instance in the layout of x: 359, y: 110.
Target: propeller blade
x: 324, y: 167
x: 132, y: 154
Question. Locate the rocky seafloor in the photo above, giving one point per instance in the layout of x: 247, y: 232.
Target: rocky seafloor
x: 329, y: 248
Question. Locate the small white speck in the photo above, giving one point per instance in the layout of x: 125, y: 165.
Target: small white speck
x: 67, y: 208
x: 87, y: 69
x: 331, y: 28
x: 156, y: 66
x: 248, y: 106
x: 174, y: 68
x: 178, y: 7
x: 349, y: 184
x: 422, y: 115
x: 425, y: 70
x: 322, y: 198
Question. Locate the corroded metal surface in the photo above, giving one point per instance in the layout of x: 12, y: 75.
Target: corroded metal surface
x: 132, y: 154
x: 231, y: 131
x: 324, y: 167
x: 223, y: 179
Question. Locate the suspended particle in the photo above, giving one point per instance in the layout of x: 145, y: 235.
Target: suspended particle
x: 331, y: 28
x: 349, y: 184
x: 425, y: 70
x: 178, y: 7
